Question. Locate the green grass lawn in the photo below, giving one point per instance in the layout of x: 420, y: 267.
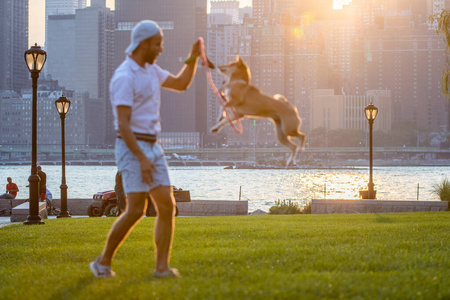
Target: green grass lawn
x: 358, y: 256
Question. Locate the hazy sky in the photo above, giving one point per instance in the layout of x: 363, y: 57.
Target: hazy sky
x: 36, y: 32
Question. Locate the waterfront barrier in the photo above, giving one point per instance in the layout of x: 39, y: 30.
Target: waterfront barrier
x: 343, y: 206
x: 79, y: 207
x: 212, y: 208
x: 8, y: 204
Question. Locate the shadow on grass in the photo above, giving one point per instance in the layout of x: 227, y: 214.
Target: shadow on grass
x: 75, y: 289
x: 383, y: 219
x: 78, y: 287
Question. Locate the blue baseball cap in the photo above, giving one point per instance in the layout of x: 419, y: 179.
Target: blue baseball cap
x: 142, y: 31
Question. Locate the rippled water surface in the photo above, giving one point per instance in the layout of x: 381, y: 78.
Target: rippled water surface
x: 260, y: 187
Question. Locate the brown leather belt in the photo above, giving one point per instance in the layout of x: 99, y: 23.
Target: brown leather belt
x: 150, y: 138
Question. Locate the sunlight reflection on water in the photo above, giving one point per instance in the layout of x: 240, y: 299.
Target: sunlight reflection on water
x: 260, y: 187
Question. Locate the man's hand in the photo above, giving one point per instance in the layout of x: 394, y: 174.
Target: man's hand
x: 196, y: 51
x: 147, y: 168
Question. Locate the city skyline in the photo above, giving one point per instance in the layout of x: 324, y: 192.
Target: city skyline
x: 337, y: 61
x: 37, y: 17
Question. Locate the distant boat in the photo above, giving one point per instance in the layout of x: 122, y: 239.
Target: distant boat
x: 228, y: 168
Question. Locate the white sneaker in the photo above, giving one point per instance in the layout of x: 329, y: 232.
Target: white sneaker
x: 169, y: 273
x: 100, y: 271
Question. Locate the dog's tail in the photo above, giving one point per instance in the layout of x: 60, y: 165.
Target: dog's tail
x: 280, y: 98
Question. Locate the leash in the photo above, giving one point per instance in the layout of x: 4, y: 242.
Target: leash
x: 219, y: 95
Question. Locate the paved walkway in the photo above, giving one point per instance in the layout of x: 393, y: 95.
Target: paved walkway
x: 7, y: 220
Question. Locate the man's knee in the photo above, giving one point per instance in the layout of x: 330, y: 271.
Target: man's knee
x: 136, y: 205
x: 164, y: 200
x: 134, y: 212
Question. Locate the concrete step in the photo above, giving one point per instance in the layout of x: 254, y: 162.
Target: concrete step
x: 20, y: 213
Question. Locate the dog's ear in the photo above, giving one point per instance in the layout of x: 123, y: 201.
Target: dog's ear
x: 240, y: 60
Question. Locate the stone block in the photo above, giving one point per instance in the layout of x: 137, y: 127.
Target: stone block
x: 322, y: 206
x: 184, y: 208
x: 20, y: 213
x: 213, y: 208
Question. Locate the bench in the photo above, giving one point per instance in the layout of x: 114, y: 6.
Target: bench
x: 20, y: 213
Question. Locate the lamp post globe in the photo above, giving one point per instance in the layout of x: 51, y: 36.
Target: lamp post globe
x: 35, y: 58
x: 371, y: 113
x: 62, y: 106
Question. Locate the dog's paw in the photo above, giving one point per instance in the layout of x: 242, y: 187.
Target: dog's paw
x: 210, y: 64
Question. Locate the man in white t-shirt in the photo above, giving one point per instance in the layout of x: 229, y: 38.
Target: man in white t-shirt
x: 135, y: 97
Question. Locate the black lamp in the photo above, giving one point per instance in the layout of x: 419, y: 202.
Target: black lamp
x: 35, y: 59
x: 371, y: 113
x: 62, y: 106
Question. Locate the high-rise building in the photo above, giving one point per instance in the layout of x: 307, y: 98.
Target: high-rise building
x: 61, y: 7
x: 230, y: 8
x: 15, y: 113
x: 281, y: 44
x: 339, y: 34
x: 80, y: 48
x: 13, y: 42
x: 94, y: 57
x: 333, y: 112
x: 225, y: 41
x: 409, y: 63
x: 263, y: 10
x: 435, y: 7
x: 288, y: 57
x: 60, y: 47
x: 94, y: 49
x: 387, y: 45
x: 182, y: 21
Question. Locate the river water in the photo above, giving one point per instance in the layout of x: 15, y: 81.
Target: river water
x: 260, y: 187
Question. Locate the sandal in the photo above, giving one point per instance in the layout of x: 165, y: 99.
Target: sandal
x: 167, y: 274
x: 101, y: 271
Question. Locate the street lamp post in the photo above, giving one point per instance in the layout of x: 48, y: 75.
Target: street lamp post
x: 63, y: 105
x: 202, y: 145
x: 35, y: 59
x: 371, y: 113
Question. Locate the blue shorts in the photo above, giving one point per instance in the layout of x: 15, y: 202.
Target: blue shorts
x: 128, y: 164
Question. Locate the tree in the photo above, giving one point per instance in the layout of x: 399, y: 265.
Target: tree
x: 442, y: 20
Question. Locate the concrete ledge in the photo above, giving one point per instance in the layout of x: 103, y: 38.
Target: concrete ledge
x: 76, y: 206
x: 20, y: 213
x: 79, y: 207
x: 342, y: 206
x: 10, y: 203
x: 212, y: 208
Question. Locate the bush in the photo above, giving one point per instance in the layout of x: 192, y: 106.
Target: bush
x: 307, y: 208
x: 442, y: 189
x: 285, y: 208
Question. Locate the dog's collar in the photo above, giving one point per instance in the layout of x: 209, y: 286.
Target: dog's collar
x: 237, y: 81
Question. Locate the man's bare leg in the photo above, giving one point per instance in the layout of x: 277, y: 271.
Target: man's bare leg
x: 165, y: 207
x: 135, y: 207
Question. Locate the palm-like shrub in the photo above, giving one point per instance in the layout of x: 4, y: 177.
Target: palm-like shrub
x: 285, y: 208
x: 289, y: 207
x: 307, y: 208
x: 442, y: 189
